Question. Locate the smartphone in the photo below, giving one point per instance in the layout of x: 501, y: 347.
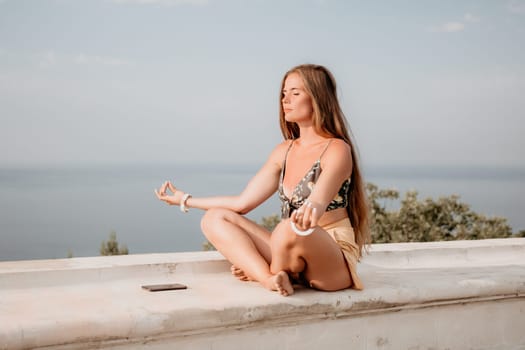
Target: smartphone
x: 161, y: 287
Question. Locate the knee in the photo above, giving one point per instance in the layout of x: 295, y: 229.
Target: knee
x: 286, y: 250
x: 212, y: 217
x: 283, y: 238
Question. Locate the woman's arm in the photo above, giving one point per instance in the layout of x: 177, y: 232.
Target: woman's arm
x: 336, y: 168
x: 258, y: 189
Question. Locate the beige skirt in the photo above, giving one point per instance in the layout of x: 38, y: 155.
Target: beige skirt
x: 343, y: 234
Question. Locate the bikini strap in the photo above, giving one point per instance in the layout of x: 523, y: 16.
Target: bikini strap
x: 285, y: 157
x: 328, y: 144
x: 288, y: 150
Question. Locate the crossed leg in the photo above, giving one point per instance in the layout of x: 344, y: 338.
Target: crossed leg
x: 246, y: 245
x: 268, y: 258
x: 317, y: 256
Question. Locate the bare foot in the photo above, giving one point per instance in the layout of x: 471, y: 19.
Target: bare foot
x: 281, y: 283
x: 239, y: 274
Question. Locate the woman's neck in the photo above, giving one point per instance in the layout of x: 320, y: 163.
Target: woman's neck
x: 308, y: 136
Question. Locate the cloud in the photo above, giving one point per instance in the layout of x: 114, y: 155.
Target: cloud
x: 517, y: 7
x: 449, y: 27
x: 469, y: 17
x: 50, y: 58
x: 455, y: 26
x: 47, y: 58
x: 107, y: 61
x: 163, y: 2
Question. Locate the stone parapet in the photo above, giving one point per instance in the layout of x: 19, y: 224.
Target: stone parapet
x: 442, y: 295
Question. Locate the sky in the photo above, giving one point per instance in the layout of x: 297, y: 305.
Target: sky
x: 174, y: 81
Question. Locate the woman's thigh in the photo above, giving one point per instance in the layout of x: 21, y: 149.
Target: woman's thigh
x: 324, y: 264
x: 259, y: 235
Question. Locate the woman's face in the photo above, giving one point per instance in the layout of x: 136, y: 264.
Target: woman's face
x: 297, y: 105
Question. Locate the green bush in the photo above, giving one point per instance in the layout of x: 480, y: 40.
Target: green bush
x: 111, y: 247
x: 207, y: 246
x: 446, y: 218
x: 269, y: 222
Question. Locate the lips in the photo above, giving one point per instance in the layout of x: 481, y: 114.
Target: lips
x: 286, y: 110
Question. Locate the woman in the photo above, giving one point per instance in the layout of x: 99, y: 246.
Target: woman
x: 324, y: 222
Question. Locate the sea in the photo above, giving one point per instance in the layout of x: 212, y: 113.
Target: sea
x: 49, y: 212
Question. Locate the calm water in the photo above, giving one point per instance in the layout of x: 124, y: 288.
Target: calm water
x: 47, y: 212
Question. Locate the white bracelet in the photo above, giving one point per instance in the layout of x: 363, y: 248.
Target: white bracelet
x: 183, y: 207
x: 299, y: 232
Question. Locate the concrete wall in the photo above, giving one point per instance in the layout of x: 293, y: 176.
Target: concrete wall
x: 441, y: 295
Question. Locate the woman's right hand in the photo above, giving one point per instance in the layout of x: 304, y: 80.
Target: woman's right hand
x: 171, y: 199
x: 307, y: 216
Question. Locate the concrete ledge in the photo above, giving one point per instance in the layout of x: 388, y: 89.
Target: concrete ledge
x: 490, y: 252
x: 56, y: 272
x: 416, y: 295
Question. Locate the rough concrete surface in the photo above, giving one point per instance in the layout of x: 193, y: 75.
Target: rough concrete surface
x: 440, y: 295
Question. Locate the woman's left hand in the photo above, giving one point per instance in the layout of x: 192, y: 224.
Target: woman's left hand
x: 173, y: 199
x: 307, y: 215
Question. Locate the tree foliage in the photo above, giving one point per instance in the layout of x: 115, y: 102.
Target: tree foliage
x: 207, y: 246
x: 269, y: 222
x: 446, y: 218
x: 111, y: 247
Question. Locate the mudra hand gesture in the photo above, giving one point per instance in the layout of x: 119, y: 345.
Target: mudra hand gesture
x: 172, y: 199
x: 304, y: 220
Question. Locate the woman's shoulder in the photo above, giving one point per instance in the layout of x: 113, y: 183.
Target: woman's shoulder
x: 283, y: 146
x: 279, y: 151
x: 338, y: 150
x: 338, y: 146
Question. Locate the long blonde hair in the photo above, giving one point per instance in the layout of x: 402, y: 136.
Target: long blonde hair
x: 328, y: 119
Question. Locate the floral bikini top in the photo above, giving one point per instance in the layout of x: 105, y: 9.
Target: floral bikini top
x: 305, y: 187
